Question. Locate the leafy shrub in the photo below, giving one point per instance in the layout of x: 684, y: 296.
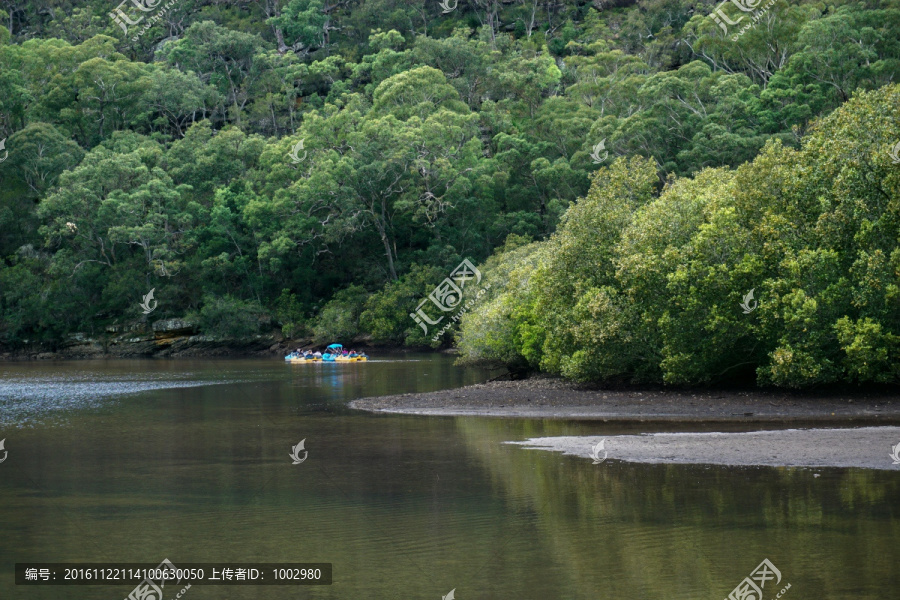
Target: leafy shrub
x: 291, y: 315
x: 339, y: 318
x: 498, y: 330
x: 386, y: 315
x: 229, y: 317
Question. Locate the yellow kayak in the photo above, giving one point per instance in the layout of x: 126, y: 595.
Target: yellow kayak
x: 341, y: 359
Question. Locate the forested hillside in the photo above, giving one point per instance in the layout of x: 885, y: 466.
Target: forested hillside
x: 320, y: 166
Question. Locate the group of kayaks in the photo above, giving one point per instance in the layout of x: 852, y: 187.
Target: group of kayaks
x: 333, y: 353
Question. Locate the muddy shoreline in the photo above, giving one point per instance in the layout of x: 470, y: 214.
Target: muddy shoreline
x: 547, y: 398
x: 831, y: 429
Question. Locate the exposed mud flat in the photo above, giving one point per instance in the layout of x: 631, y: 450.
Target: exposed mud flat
x: 865, y: 447
x: 547, y: 398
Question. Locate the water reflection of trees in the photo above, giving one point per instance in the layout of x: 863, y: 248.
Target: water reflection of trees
x: 685, y: 531
x: 382, y: 375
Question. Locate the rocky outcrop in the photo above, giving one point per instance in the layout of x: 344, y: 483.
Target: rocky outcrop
x: 172, y: 328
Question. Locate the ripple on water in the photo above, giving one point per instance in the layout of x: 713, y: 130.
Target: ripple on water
x: 25, y: 401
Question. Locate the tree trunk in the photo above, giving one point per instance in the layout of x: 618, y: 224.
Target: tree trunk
x: 389, y: 254
x: 279, y: 36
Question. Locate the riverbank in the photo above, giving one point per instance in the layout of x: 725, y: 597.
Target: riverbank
x: 548, y: 398
x: 194, y: 346
x: 169, y: 338
x: 151, y: 345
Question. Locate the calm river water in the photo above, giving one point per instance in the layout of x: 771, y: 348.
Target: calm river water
x: 136, y: 461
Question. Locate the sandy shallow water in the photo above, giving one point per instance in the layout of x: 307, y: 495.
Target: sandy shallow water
x: 864, y: 447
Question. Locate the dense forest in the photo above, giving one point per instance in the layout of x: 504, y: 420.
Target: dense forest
x: 623, y: 173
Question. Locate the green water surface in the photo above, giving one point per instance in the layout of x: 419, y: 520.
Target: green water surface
x: 136, y: 461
